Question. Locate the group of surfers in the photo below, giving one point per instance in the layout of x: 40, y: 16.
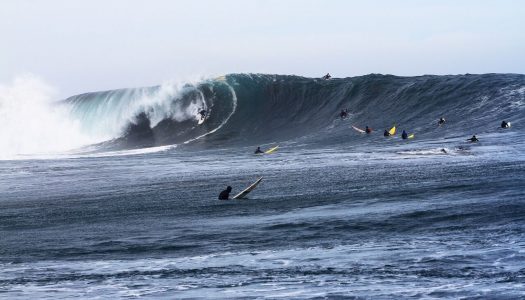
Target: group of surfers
x: 404, y: 135
x: 225, y: 194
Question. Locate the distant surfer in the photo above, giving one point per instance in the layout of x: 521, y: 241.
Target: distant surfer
x: 505, y: 124
x: 386, y: 133
x: 444, y: 150
x: 404, y: 135
x: 225, y: 195
x: 473, y: 139
x: 327, y: 76
x: 258, y: 150
x: 344, y: 113
x: 368, y: 129
x: 202, y: 112
x: 441, y: 121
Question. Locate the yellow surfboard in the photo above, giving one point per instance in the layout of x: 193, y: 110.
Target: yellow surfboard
x: 392, y: 130
x: 411, y: 136
x: 271, y: 150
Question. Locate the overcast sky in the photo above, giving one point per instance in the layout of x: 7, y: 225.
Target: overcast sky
x: 81, y: 46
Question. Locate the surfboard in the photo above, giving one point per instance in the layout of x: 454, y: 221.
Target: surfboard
x: 271, y: 150
x: 247, y: 190
x: 201, y: 119
x: 392, y: 130
x: 358, y: 129
x: 411, y: 136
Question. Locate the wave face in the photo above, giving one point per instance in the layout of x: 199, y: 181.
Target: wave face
x: 247, y: 109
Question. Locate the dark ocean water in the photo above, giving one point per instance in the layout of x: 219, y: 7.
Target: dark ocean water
x: 338, y: 214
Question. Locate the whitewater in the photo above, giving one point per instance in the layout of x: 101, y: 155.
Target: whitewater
x: 113, y: 194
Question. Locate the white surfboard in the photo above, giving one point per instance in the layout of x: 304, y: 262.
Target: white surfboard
x: 247, y: 190
x: 358, y: 129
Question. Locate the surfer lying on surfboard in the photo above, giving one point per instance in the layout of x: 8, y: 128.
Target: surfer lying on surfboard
x: 259, y: 151
x: 473, y: 139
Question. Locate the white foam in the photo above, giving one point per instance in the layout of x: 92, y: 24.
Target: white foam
x: 31, y: 123
x: 34, y: 126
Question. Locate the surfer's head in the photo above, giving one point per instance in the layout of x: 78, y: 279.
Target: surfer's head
x: 229, y: 188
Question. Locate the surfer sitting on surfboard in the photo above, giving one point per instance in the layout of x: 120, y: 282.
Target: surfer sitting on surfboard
x: 404, y: 135
x: 441, y: 121
x: 225, y: 195
x: 368, y: 129
x: 258, y: 150
x: 386, y: 133
x: 505, y: 124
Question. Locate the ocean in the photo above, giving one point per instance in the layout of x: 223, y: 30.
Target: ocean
x: 131, y: 211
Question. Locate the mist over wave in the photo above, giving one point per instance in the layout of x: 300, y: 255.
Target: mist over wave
x: 31, y: 123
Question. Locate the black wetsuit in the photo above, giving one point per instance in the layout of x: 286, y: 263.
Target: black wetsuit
x: 386, y: 133
x: 258, y: 151
x: 368, y: 130
x: 404, y: 135
x: 225, y: 195
x: 504, y: 124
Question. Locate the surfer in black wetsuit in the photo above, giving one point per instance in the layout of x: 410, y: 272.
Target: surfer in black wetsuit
x: 404, y: 135
x: 258, y: 150
x: 225, y: 195
x: 441, y: 121
x: 202, y: 112
x: 368, y: 129
x: 505, y: 124
x: 473, y: 139
x: 344, y: 113
x: 386, y: 133
x: 327, y: 76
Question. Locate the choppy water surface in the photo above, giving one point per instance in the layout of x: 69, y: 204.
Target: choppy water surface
x: 337, y: 214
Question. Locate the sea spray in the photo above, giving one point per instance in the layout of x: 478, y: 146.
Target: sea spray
x: 31, y: 122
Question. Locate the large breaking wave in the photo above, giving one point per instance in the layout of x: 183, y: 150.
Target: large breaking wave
x: 248, y: 109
